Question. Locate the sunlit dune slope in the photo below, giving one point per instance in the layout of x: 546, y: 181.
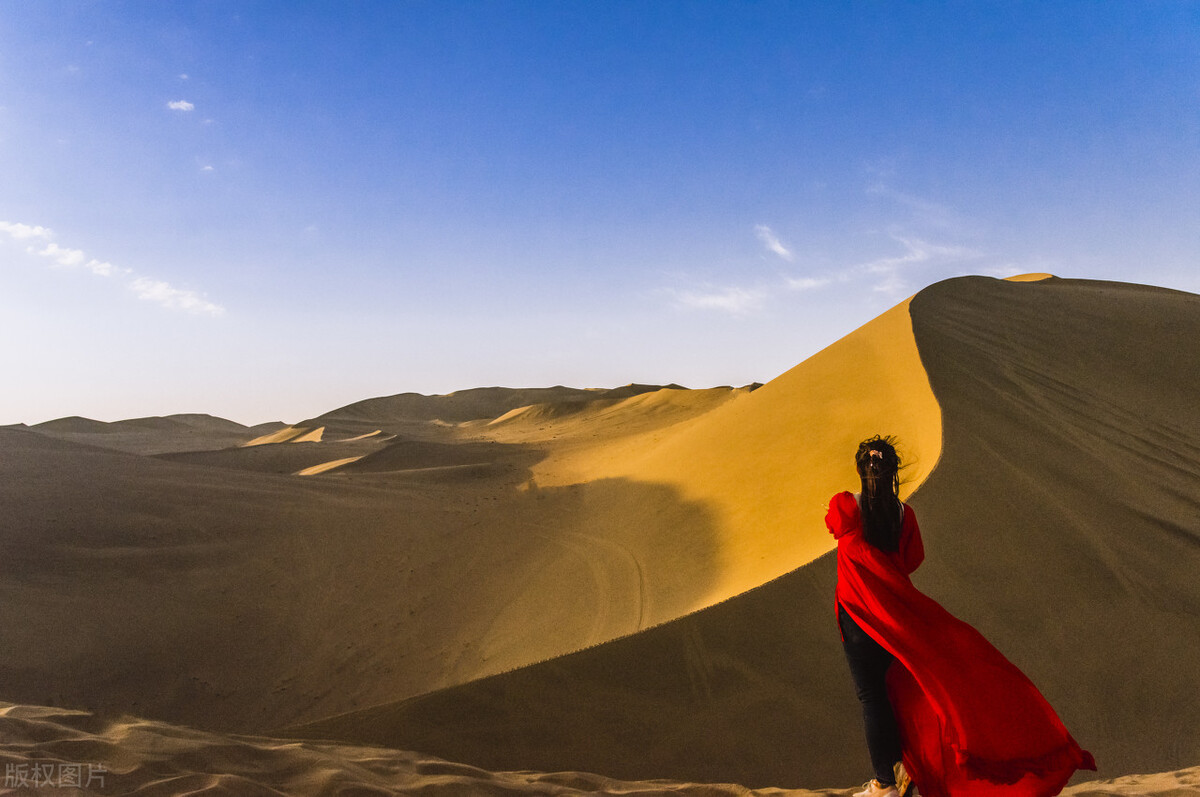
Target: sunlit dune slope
x: 586, y: 424
x: 762, y: 462
x: 325, y: 467
x: 1061, y: 521
x: 289, y: 434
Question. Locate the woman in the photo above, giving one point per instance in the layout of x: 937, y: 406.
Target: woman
x: 940, y: 704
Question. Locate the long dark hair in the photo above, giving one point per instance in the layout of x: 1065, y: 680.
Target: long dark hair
x: 879, y: 468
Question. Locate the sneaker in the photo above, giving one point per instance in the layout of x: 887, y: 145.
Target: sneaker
x: 903, y: 781
x: 873, y: 788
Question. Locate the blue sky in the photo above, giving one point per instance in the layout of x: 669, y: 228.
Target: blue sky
x: 267, y: 210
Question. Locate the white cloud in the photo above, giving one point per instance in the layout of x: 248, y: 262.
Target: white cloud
x: 771, y: 241
x: 206, y: 168
x: 103, y: 268
x: 145, y: 288
x: 181, y: 105
x: 732, y: 300
x: 21, y: 232
x: 184, y: 76
x: 171, y: 298
x: 61, y: 256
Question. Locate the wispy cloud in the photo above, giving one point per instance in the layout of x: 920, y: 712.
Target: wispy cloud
x: 172, y: 298
x: 917, y: 252
x: 732, y: 300
x: 143, y: 287
x: 181, y: 105
x: 771, y: 241
x: 924, y: 212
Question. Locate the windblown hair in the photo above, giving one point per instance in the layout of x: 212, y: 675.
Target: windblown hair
x: 879, y: 468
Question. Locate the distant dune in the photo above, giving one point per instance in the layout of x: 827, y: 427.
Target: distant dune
x: 155, y: 435
x: 402, y: 411
x: 634, y: 582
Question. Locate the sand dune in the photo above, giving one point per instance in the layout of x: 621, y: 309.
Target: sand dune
x: 401, y: 412
x: 134, y: 756
x: 582, y: 422
x: 635, y: 581
x: 74, y: 424
x: 155, y: 435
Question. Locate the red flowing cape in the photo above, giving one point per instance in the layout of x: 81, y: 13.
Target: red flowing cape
x: 971, y: 723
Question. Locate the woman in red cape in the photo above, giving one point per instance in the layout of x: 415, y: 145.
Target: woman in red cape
x: 940, y: 704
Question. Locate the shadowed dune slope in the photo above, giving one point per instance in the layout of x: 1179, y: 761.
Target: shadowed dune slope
x: 242, y: 599
x: 1064, y: 518
x: 1061, y: 521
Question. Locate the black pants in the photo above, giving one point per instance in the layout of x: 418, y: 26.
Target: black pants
x: 869, y: 663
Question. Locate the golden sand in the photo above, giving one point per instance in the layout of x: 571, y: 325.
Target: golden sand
x: 286, y: 435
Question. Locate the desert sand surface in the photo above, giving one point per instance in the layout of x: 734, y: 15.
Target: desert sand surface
x: 635, y: 582
x: 62, y: 751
